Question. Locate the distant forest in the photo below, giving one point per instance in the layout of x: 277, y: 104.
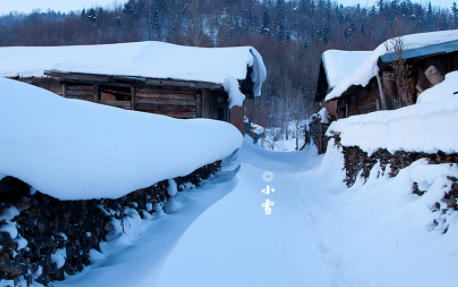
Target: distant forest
x: 290, y: 35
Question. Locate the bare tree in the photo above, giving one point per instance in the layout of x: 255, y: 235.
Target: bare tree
x: 395, y: 46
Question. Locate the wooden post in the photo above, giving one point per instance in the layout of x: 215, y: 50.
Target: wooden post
x: 132, y: 97
x: 433, y: 75
x: 95, y: 93
x: 206, y: 95
x: 377, y: 105
x: 419, y: 88
x: 199, y: 105
x: 382, y: 94
x: 64, y: 90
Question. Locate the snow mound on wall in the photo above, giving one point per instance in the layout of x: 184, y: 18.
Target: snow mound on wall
x: 428, y: 126
x: 143, y: 59
x: 444, y: 90
x: 369, y: 68
x: 73, y: 149
x: 339, y: 64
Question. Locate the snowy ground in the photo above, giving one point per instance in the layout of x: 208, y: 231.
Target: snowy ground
x: 275, y: 138
x: 319, y: 232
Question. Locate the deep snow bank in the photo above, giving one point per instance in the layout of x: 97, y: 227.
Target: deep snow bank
x: 73, y: 149
x: 428, y: 126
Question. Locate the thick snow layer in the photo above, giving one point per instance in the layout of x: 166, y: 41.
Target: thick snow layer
x: 324, y: 115
x: 72, y: 149
x: 369, y: 68
x: 319, y: 233
x: 428, y: 126
x: 340, y: 64
x: 447, y: 89
x: 144, y: 59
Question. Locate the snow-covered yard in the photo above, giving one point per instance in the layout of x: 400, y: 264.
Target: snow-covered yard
x: 319, y: 232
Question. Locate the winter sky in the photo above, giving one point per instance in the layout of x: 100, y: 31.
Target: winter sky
x: 28, y: 6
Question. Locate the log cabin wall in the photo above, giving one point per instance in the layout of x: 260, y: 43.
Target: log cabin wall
x: 174, y: 101
x: 361, y: 100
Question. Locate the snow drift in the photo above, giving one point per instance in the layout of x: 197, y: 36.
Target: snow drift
x: 339, y: 64
x: 428, y: 126
x: 142, y: 59
x: 369, y: 68
x: 72, y: 149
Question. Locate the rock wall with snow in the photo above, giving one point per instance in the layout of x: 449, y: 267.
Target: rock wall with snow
x: 44, y: 239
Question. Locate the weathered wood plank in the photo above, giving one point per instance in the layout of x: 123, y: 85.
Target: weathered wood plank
x: 206, y: 94
x: 142, y: 100
x: 433, y: 75
x: 77, y: 76
x: 132, y: 97
x: 79, y: 93
x: 178, y: 83
x: 152, y: 107
x: 168, y: 96
x: 96, y: 93
x: 199, y: 105
x: 64, y: 90
x: 119, y: 104
x: 382, y: 93
x: 163, y: 89
x: 115, y: 92
x: 74, y: 87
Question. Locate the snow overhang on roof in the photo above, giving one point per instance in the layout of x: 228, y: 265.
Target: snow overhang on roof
x: 437, y: 49
x: 415, y: 45
x: 152, y: 59
x: 340, y: 64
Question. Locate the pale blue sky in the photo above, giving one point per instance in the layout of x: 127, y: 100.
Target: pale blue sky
x: 27, y: 6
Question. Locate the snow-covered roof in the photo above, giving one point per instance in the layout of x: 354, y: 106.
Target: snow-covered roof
x: 369, y: 68
x: 143, y: 59
x: 427, y: 126
x: 340, y: 64
x: 73, y: 149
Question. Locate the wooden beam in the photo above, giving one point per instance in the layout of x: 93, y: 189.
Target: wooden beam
x: 132, y: 97
x: 168, y: 96
x: 199, y: 105
x: 95, y: 93
x: 189, y: 84
x: 76, y: 76
x: 382, y: 94
x: 433, y: 75
x: 206, y: 97
x: 419, y: 88
x: 64, y: 89
x: 142, y: 100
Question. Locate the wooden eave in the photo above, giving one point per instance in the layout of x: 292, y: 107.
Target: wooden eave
x: 129, y: 80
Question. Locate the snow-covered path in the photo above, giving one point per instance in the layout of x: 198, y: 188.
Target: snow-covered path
x: 319, y: 233
x: 234, y: 243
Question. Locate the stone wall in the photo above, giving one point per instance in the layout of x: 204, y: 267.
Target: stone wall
x: 317, y: 134
x: 50, y: 225
x: 357, y: 161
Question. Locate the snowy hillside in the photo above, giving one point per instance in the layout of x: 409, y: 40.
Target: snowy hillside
x: 73, y: 149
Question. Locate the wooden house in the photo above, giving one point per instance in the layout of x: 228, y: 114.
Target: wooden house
x: 335, y: 66
x: 372, y: 86
x: 154, y: 77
